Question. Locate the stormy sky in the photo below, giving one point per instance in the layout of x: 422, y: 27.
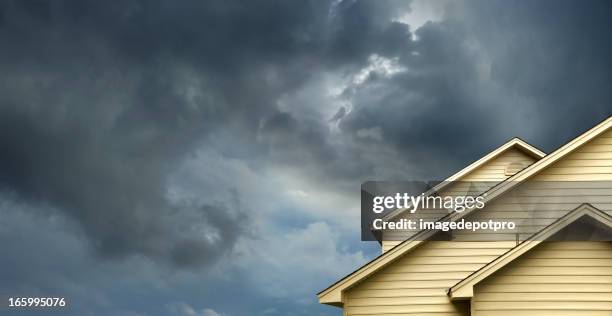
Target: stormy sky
x: 204, y: 157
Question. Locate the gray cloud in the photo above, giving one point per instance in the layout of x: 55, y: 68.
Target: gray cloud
x: 100, y: 103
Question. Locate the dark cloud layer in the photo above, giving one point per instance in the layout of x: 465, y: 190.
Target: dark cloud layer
x: 100, y: 103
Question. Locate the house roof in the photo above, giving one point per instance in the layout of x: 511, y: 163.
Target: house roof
x: 512, y: 143
x: 464, y: 289
x: 333, y: 294
x: 373, y: 265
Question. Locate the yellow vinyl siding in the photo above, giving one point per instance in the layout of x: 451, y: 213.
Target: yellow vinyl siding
x: 416, y: 283
x: 494, y: 170
x: 555, y: 278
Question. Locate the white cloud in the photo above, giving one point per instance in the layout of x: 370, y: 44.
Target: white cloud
x: 380, y: 65
x: 423, y: 11
x: 282, y: 260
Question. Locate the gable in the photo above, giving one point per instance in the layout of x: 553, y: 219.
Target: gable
x: 554, y: 278
x: 495, y: 170
x: 464, y: 289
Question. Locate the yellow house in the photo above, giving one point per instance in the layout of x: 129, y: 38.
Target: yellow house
x: 536, y: 272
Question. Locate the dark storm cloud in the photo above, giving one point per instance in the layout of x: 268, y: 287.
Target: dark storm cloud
x: 556, y: 54
x: 100, y: 102
x: 434, y: 103
x: 95, y: 111
x: 362, y: 28
x: 489, y: 72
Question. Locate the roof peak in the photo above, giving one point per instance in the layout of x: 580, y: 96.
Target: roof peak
x: 514, y: 142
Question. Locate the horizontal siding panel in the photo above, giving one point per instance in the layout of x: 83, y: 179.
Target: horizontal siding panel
x: 465, y: 186
x: 489, y: 237
x: 536, y: 296
x: 447, y: 260
x: 578, y: 191
x: 393, y: 301
x: 495, y: 247
x: 597, y: 148
x: 410, y: 284
x: 472, y: 245
x: 599, y: 254
x: 546, y: 185
x: 522, y: 229
x: 584, y: 163
x: 544, y: 305
x: 559, y: 271
x: 570, y: 279
x: 545, y: 287
x: 580, y: 170
x: 576, y: 245
x: 574, y: 262
x: 434, y: 268
x: 421, y: 276
x: 461, y: 252
x: 544, y: 313
x: 373, y: 293
x: 509, y: 214
x: 529, y: 218
x: 589, y: 155
x: 574, y: 177
x: 413, y: 314
x: 568, y: 262
x: 394, y: 309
